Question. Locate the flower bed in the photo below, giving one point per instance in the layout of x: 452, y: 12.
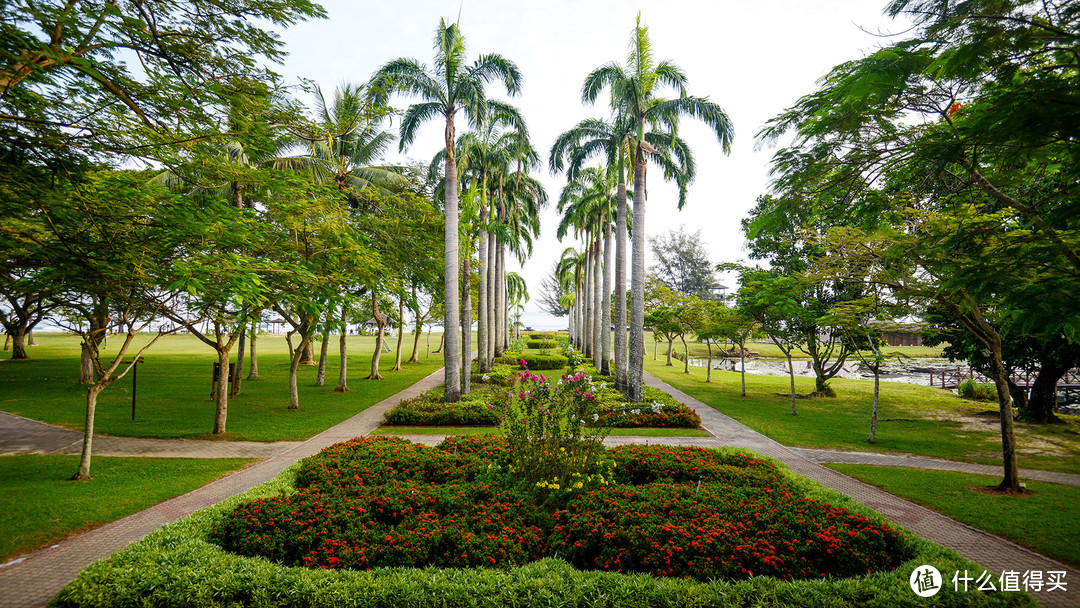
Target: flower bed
x: 684, y: 512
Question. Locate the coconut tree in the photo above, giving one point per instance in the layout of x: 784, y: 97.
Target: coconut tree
x: 635, y: 90
x: 449, y: 87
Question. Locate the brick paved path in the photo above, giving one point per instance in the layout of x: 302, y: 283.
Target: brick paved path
x: 32, y: 581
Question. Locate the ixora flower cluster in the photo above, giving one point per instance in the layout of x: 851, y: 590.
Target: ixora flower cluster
x: 683, y: 512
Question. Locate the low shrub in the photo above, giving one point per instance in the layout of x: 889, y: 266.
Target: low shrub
x: 533, y: 361
x: 500, y: 374
x: 541, y: 344
x: 980, y: 391
x: 659, y: 410
x: 542, y: 335
x: 429, y: 409
x: 637, y: 465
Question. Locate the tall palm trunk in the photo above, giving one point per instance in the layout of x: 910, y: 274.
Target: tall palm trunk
x: 620, y: 284
x: 492, y: 302
x: 586, y: 297
x: 636, y: 360
x: 598, y: 296
x: 482, y: 328
x: 466, y: 320
x: 503, y: 341
x: 451, y: 314
x: 605, y: 305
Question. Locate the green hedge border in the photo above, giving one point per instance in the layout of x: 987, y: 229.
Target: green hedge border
x: 176, y: 567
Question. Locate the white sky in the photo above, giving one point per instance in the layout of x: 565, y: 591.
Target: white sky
x: 753, y: 58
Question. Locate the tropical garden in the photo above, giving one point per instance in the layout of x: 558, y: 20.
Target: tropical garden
x: 164, y: 193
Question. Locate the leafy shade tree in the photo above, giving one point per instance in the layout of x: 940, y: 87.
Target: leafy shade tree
x: 666, y: 314
x: 133, y: 78
x: 683, y: 264
x: 106, y: 238
x: 635, y: 90
x: 450, y: 86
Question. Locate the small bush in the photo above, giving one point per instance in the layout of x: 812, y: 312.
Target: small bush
x: 541, y: 344
x: 542, y: 335
x: 429, y: 410
x: 500, y: 374
x: 980, y: 391
x: 533, y: 361
x: 659, y: 410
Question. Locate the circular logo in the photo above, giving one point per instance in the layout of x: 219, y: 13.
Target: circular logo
x: 925, y: 581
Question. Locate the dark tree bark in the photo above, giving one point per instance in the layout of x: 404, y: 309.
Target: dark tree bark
x: 1040, y: 405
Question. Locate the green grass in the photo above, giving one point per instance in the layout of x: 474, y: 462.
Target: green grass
x: 769, y: 350
x: 492, y: 430
x: 911, y: 419
x: 40, y: 506
x: 173, y: 395
x: 1048, y: 520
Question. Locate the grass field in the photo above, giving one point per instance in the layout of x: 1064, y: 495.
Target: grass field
x: 770, y: 351
x: 173, y: 394
x: 1047, y: 520
x: 40, y: 506
x: 912, y: 419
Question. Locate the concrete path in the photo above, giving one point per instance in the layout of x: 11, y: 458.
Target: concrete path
x: 20, y: 435
x: 30, y: 582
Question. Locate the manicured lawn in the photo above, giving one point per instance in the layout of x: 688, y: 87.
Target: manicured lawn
x: 770, y: 351
x: 1048, y: 520
x: 40, y: 506
x: 491, y: 430
x: 912, y: 419
x: 173, y: 395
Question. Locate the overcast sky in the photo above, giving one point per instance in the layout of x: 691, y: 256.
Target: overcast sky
x: 752, y: 57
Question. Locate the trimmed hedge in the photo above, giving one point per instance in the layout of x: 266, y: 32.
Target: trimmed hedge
x: 533, y: 361
x: 429, y: 409
x: 541, y: 344
x: 542, y: 335
x: 176, y: 566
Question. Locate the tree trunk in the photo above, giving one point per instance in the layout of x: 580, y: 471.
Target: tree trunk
x: 791, y: 374
x: 605, y: 305
x: 294, y: 365
x: 88, y: 432
x: 587, y: 300
x: 482, y: 328
x: 597, y: 298
x: 670, y: 343
x: 620, y: 285
x: 742, y: 367
x: 400, y: 334
x: 30, y: 338
x: 324, y: 350
x: 253, y: 371
x: 221, y: 395
x: 343, y: 364
x: 239, y: 372
x: 379, y: 325
x: 873, y: 412
x: 415, y: 358
x: 466, y: 322
x: 492, y: 305
x: 636, y: 361
x: 98, y: 325
x: 18, y: 345
x: 7, y: 342
x: 451, y: 316
x: 308, y: 357
x: 1011, y: 479
x: 1043, y: 399
x: 708, y: 364
x: 686, y: 355
x: 504, y: 305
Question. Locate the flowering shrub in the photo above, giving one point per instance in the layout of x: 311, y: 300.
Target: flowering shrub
x: 381, y: 502
x: 546, y: 429
x: 658, y: 410
x: 720, y: 531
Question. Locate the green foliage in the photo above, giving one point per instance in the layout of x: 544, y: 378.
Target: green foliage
x: 542, y: 335
x: 429, y: 409
x: 176, y: 566
x: 540, y: 344
x: 535, y: 361
x: 980, y: 391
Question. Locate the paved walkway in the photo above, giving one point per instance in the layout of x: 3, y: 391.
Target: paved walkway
x: 32, y: 581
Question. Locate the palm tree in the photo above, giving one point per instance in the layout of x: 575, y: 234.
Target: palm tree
x: 447, y: 88
x: 588, y: 139
x: 634, y: 95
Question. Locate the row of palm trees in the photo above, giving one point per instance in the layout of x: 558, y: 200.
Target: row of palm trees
x: 643, y: 128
